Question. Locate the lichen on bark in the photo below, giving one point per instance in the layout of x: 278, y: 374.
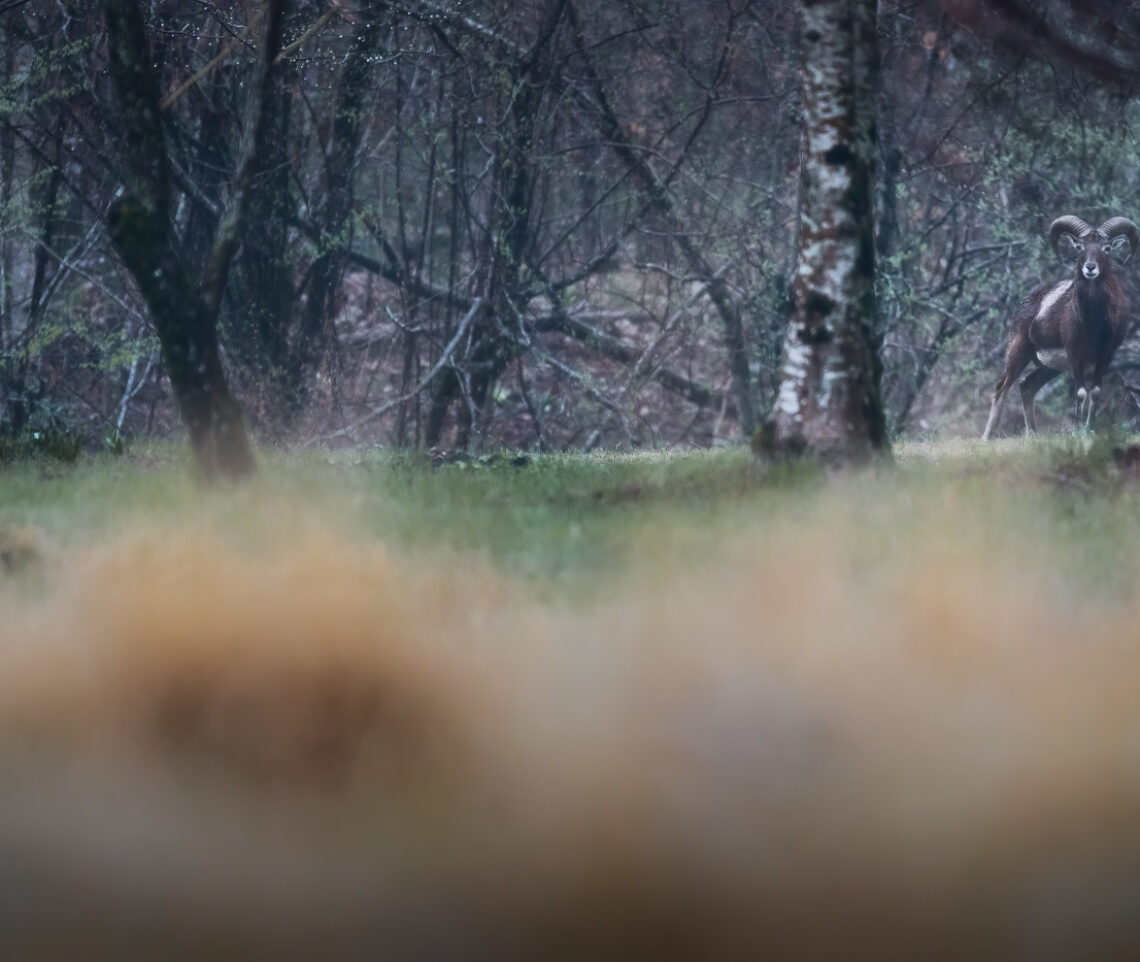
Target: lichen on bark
x: 828, y: 402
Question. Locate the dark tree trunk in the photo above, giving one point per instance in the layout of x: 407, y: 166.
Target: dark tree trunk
x: 829, y: 400
x: 20, y: 400
x: 446, y: 389
x: 492, y: 345
x: 187, y: 331
x: 317, y: 337
x: 496, y: 337
x: 184, y: 310
x: 259, y: 305
x: 7, y: 177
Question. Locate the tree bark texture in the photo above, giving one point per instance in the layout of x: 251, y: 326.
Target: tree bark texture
x: 829, y: 401
x: 317, y: 336
x: 186, y: 329
x: 184, y: 309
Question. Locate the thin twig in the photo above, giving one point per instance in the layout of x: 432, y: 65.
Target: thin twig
x: 387, y: 406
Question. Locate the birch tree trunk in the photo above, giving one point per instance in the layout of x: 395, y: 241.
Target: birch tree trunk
x: 829, y: 402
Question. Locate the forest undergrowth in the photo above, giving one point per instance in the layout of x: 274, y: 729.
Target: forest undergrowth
x: 667, y: 705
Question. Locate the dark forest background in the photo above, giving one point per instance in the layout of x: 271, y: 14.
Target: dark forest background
x: 543, y: 225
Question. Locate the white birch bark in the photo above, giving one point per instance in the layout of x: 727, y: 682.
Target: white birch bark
x: 829, y: 402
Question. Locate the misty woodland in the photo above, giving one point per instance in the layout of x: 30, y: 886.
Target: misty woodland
x: 562, y: 225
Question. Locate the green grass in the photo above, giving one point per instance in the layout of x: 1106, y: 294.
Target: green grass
x: 558, y: 520
x: 577, y: 523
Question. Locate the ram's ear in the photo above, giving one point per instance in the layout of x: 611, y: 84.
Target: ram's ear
x: 1123, y: 238
x: 1120, y: 249
x: 1068, y: 247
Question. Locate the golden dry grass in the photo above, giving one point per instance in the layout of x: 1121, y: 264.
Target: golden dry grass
x: 894, y: 722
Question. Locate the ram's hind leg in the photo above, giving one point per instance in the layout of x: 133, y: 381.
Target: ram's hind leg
x: 1036, y: 380
x: 996, y: 405
x: 1017, y: 355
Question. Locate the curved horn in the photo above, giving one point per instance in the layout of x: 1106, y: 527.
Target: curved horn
x: 1068, y: 224
x: 1116, y: 226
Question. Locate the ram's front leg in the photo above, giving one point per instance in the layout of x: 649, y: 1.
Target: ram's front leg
x: 1095, y: 380
x: 1086, y: 402
x: 1088, y: 385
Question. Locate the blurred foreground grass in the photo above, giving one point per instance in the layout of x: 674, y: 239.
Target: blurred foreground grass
x: 664, y: 705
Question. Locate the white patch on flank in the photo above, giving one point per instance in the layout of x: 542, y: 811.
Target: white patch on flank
x: 1056, y: 358
x: 1050, y: 299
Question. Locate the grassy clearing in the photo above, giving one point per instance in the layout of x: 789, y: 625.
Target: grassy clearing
x: 578, y: 524
x: 661, y: 705
x: 558, y: 522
